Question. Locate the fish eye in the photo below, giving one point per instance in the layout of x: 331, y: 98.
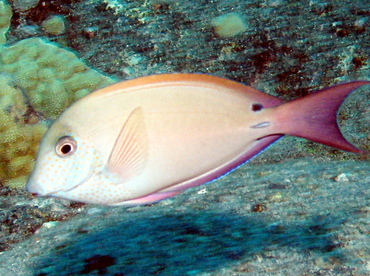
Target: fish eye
x: 257, y: 107
x: 65, y: 146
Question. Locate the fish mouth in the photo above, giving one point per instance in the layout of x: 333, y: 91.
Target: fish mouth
x: 55, y: 193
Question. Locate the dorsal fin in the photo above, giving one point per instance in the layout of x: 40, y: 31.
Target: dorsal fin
x: 130, y: 151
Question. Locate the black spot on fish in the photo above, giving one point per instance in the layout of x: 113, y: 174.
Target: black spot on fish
x: 257, y: 107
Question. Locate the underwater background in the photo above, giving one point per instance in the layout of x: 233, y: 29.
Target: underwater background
x: 297, y: 209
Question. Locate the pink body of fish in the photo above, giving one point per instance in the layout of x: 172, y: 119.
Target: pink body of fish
x: 147, y: 139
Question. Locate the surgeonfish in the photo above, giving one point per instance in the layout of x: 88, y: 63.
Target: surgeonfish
x: 147, y: 139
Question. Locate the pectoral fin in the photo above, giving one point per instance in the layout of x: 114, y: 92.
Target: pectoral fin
x: 130, y: 151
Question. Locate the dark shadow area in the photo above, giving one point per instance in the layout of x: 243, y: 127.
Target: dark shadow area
x: 179, y: 243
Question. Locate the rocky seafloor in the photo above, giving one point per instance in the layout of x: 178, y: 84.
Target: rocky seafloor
x: 297, y: 209
x: 304, y: 216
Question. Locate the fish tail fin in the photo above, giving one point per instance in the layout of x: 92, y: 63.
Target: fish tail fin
x: 314, y: 117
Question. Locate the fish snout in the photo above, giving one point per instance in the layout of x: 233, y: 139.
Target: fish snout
x: 36, y: 188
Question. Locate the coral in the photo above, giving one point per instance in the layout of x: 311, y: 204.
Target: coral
x: 229, y: 25
x: 51, y: 77
x: 18, y: 141
x: 54, y: 25
x: 5, y: 16
x: 24, y: 5
x: 38, y: 80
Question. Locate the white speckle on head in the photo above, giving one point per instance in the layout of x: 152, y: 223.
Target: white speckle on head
x: 53, y: 173
x: 80, y: 177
